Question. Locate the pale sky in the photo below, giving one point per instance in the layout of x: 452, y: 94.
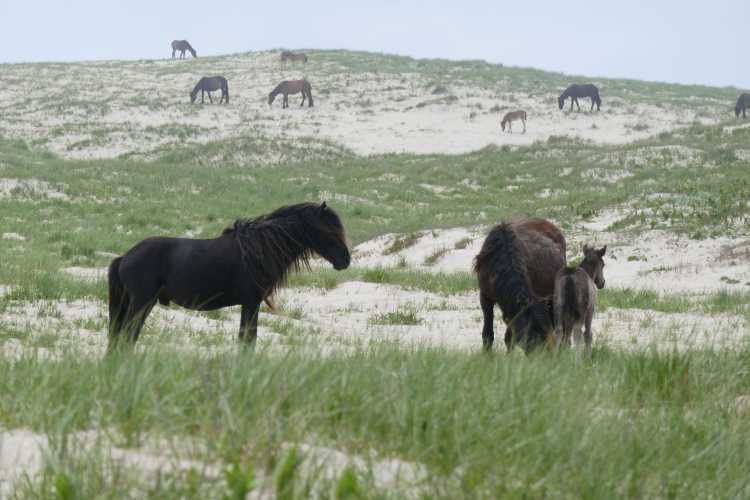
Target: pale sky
x: 684, y: 41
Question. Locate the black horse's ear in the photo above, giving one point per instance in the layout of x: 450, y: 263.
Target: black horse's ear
x: 602, y: 251
x: 323, y: 207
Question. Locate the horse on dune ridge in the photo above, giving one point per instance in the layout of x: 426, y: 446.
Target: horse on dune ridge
x: 516, y: 269
x: 292, y: 87
x: 243, y: 266
x: 292, y: 56
x: 181, y: 46
x: 575, y: 91
x: 743, y: 102
x: 208, y: 84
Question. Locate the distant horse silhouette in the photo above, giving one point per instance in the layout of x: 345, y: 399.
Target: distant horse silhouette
x: 743, y: 102
x: 509, y: 118
x: 575, y: 91
x: 516, y: 269
x: 292, y: 56
x: 292, y: 87
x: 181, y: 46
x: 208, y: 84
x: 575, y: 297
x: 243, y: 266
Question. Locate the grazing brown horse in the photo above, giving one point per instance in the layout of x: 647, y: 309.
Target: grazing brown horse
x: 243, y: 266
x: 292, y: 87
x: 181, y: 46
x: 208, y: 84
x: 743, y: 102
x: 509, y: 118
x: 292, y: 56
x: 516, y: 269
x: 575, y: 297
x: 575, y: 91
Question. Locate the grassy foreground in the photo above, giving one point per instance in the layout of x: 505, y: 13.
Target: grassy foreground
x: 627, y: 425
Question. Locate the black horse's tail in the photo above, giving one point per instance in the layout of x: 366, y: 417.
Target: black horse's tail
x: 118, y: 298
x: 226, y: 91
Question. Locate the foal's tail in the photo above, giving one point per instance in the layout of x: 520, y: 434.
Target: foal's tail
x: 570, y: 302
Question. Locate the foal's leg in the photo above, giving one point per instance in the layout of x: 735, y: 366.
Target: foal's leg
x: 587, y: 332
x: 488, y: 331
x: 578, y: 339
x: 249, y: 325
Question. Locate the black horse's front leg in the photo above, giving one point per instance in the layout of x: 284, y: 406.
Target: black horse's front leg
x: 249, y: 325
x: 209, y: 98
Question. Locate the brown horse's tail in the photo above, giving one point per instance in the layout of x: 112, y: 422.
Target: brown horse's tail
x: 309, y: 94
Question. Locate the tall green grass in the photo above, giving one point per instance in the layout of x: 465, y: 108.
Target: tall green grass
x: 649, y: 424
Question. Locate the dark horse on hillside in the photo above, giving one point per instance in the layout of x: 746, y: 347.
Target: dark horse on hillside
x: 208, y: 84
x: 292, y: 87
x: 292, y: 56
x: 244, y: 266
x: 181, y: 46
x: 575, y: 91
x: 516, y: 268
x: 743, y: 102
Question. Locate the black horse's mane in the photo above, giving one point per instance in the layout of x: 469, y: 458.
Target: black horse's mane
x: 274, y: 244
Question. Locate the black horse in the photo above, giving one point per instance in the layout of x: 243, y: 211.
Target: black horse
x: 243, y: 266
x: 743, y: 102
x: 181, y: 46
x: 575, y: 91
x: 208, y: 84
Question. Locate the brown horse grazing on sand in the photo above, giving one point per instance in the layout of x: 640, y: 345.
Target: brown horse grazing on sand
x: 575, y: 298
x: 743, y: 102
x: 292, y: 87
x: 181, y: 46
x: 208, y: 84
x: 292, y: 56
x: 516, y: 268
x: 509, y: 118
x: 243, y: 266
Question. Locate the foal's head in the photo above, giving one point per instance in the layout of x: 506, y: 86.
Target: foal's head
x: 593, y: 264
x: 327, y: 237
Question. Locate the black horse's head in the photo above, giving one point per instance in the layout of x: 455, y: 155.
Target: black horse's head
x: 328, y: 239
x: 271, y: 97
x: 193, y: 95
x: 560, y: 102
x: 737, y: 111
x: 593, y: 264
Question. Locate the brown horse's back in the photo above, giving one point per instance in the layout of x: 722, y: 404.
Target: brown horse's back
x: 543, y: 249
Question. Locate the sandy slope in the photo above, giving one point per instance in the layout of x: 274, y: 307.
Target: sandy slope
x: 106, y: 109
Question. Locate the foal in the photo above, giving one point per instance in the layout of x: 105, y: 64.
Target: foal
x: 509, y: 118
x: 575, y: 297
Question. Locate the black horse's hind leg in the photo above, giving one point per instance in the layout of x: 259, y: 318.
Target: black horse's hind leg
x: 137, y: 314
x: 209, y: 97
x: 249, y: 325
x: 509, y: 339
x: 488, y: 332
x: 578, y: 105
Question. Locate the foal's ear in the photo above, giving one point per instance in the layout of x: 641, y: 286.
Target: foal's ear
x: 602, y: 251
